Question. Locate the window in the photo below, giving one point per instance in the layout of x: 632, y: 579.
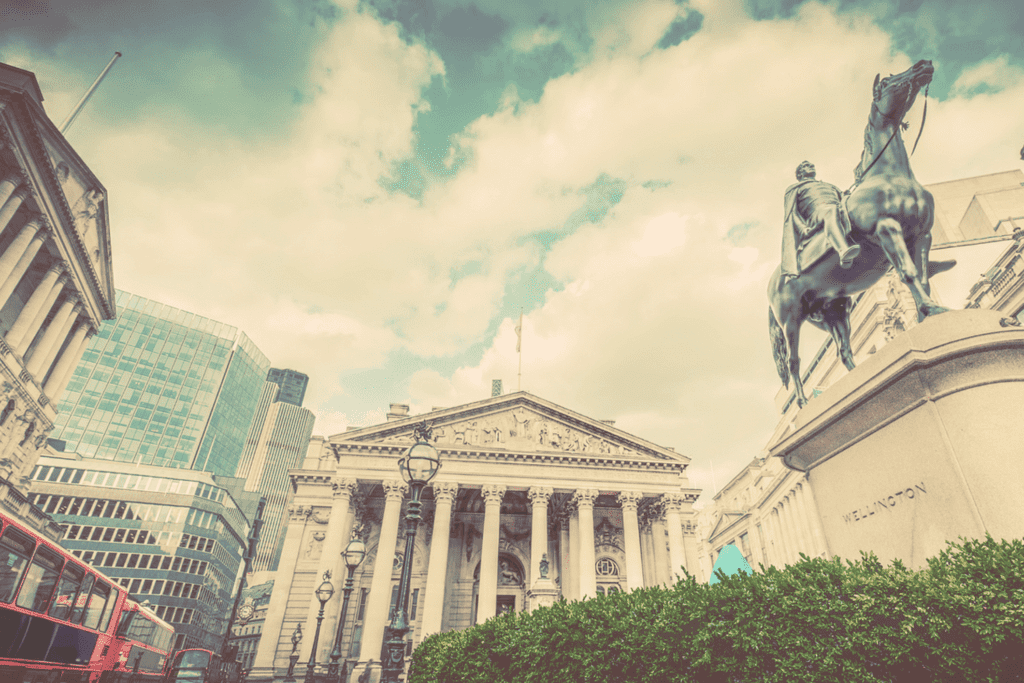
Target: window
x: 40, y: 580
x: 67, y: 591
x: 15, y: 549
x: 607, y: 567
x: 363, y: 593
x: 412, y: 607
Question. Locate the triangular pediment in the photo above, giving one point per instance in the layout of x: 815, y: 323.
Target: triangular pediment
x: 726, y: 520
x: 517, y: 422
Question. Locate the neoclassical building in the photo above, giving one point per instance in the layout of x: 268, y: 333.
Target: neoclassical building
x: 533, y: 503
x: 56, y: 284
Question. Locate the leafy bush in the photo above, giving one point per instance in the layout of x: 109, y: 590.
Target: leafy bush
x: 959, y: 619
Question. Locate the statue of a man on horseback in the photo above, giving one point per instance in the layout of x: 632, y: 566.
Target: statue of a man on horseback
x: 812, y: 206
x: 831, y: 252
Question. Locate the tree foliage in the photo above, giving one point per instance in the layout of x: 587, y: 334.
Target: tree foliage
x: 959, y: 619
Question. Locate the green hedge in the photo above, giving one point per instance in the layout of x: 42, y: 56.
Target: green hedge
x: 959, y: 619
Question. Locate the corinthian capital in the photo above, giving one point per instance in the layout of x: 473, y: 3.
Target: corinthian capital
x: 540, y: 495
x: 630, y: 499
x: 585, y: 497
x: 493, y: 494
x: 445, y: 491
x: 673, y: 502
x: 394, y: 490
x: 344, y: 488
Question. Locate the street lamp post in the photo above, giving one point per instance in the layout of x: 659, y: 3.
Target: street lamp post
x: 323, y: 594
x: 418, y: 466
x: 354, y: 553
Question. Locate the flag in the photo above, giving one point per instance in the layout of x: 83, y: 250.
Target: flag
x: 519, y: 333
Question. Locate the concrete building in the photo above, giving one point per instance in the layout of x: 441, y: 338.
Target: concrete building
x: 161, y: 386
x: 174, y: 537
x: 56, y: 283
x: 533, y: 502
x: 292, y: 383
x: 768, y: 510
x: 277, y: 443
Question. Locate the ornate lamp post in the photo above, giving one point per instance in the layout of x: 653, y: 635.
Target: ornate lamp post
x: 354, y: 553
x: 418, y: 466
x: 323, y: 594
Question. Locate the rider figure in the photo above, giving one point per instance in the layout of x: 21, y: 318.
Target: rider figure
x: 811, y: 205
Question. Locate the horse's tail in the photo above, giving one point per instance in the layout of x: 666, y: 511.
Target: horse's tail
x: 780, y: 349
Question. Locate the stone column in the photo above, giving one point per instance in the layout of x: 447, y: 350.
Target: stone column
x: 437, y: 566
x: 68, y: 361
x: 488, y: 595
x: 35, y: 310
x: 540, y: 496
x: 339, y: 531
x: 270, y: 642
x: 791, y: 528
x: 690, y: 549
x: 661, y: 559
x: 676, y: 555
x: 647, y: 554
x: 39, y: 358
x: 377, y: 605
x: 786, y: 543
x: 574, y: 554
x: 631, y: 538
x: 378, y: 612
x: 803, y: 530
x: 8, y: 185
x: 12, y: 203
x: 18, y: 256
x: 46, y: 362
x: 563, y: 556
x: 588, y: 571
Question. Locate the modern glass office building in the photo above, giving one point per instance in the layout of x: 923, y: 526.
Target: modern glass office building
x: 172, y: 537
x: 161, y: 386
x: 292, y: 383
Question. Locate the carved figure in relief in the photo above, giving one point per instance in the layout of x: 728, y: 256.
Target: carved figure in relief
x: 62, y: 172
x: 472, y: 437
x: 459, y: 433
x: 86, y: 208
x: 521, y: 422
x: 508, y: 576
x: 542, y: 433
x: 314, y: 543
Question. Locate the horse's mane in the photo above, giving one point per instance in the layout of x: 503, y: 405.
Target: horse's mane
x: 859, y: 171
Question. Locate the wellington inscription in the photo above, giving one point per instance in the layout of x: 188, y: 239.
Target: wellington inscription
x: 886, y: 503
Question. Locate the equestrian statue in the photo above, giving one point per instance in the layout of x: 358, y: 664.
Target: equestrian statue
x: 836, y: 244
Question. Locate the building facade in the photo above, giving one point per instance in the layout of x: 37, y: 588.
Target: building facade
x: 161, y: 386
x: 768, y: 510
x: 533, y: 503
x: 246, y: 637
x: 293, y: 385
x: 173, y: 537
x: 56, y: 284
x: 277, y: 442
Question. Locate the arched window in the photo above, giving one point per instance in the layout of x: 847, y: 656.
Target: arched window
x: 607, y: 567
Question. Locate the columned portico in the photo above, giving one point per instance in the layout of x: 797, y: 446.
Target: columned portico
x: 19, y: 255
x: 34, y: 313
x: 492, y: 494
x: 519, y: 460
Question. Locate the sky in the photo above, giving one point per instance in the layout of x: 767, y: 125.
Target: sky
x: 375, y: 190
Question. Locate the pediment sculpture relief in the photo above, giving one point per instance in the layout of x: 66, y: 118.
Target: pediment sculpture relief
x: 519, y: 426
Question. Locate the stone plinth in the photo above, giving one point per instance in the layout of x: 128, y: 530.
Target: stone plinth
x: 921, y: 443
x: 543, y: 594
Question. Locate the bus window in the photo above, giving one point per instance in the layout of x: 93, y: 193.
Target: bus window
x: 83, y: 598
x: 94, y: 610
x: 39, y: 580
x: 67, y: 590
x: 15, y: 549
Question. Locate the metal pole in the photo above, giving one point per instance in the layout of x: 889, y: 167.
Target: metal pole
x: 332, y: 671
x: 85, y: 98
x: 394, y: 665
x: 310, y: 668
x: 254, y: 537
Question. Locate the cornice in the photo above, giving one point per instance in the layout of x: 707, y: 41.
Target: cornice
x: 35, y: 140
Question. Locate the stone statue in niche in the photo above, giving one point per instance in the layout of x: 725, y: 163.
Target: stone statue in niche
x: 508, y: 575
x: 85, y: 209
x: 544, y: 566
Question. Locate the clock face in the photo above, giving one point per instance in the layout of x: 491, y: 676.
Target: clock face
x: 245, y: 612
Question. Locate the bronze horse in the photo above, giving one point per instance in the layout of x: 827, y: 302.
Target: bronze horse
x: 891, y: 217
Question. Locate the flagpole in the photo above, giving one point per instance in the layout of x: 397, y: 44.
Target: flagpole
x: 85, y: 98
x: 519, y: 348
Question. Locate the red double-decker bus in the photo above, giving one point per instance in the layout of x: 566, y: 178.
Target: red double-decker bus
x: 139, y: 650
x: 60, y: 619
